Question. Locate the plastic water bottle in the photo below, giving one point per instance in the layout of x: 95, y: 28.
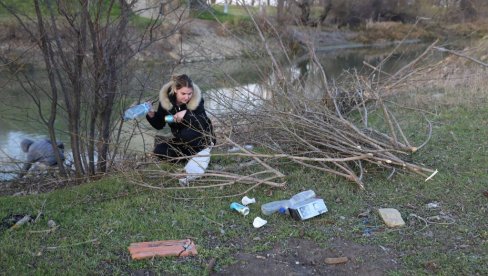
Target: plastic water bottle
x: 282, y: 206
x: 137, y: 111
x: 302, y: 196
x: 274, y: 206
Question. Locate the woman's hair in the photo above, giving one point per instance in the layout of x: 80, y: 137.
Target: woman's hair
x: 180, y: 81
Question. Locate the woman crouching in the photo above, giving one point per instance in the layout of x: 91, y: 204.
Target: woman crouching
x: 181, y: 106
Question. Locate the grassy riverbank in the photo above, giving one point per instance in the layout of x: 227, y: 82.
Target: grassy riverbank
x: 445, y: 230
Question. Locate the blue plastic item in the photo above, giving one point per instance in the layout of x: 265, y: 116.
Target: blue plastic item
x: 137, y: 111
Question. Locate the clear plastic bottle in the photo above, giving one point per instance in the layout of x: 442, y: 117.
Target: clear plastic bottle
x: 274, y: 206
x: 301, y: 197
x: 283, y: 205
x: 137, y: 111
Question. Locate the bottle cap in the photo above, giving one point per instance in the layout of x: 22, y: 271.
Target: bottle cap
x: 282, y: 210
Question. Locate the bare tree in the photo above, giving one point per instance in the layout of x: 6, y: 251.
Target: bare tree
x: 87, y: 47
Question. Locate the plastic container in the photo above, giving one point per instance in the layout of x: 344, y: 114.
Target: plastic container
x: 283, y: 205
x: 247, y: 200
x: 274, y: 206
x: 244, y: 210
x: 301, y: 197
x: 137, y: 111
x: 308, y: 208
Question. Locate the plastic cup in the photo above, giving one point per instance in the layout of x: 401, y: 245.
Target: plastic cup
x: 258, y: 222
x: 246, y: 200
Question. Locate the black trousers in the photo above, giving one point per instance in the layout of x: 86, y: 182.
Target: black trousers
x: 166, y: 149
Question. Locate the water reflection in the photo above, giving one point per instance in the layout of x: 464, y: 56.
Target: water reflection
x: 11, y: 154
x: 223, y: 100
x: 243, y: 92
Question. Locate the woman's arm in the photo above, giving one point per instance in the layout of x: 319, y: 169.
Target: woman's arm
x: 197, y: 124
x: 157, y: 119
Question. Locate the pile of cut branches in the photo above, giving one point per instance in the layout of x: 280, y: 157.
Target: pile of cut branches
x: 325, y: 126
x: 312, y: 122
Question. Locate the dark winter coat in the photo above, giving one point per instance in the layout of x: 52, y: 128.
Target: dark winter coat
x: 196, y: 128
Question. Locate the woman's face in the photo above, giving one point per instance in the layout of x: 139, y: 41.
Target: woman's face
x: 183, y: 95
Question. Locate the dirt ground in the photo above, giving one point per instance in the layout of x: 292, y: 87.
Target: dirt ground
x: 305, y: 257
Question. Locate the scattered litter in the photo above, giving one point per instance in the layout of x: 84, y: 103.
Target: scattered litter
x: 9, y: 221
x: 233, y: 149
x: 21, y: 222
x: 367, y: 232
x: 51, y: 223
x: 179, y: 248
x: 391, y: 217
x: 308, y: 209
x: 260, y: 257
x: 433, y: 205
x: 301, y: 206
x: 246, y: 200
x: 249, y: 147
x: 238, y: 149
x: 258, y: 222
x: 239, y: 208
x: 339, y: 260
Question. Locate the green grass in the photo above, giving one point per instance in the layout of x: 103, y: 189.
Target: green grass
x: 99, y: 220
x: 235, y: 16
x: 25, y: 7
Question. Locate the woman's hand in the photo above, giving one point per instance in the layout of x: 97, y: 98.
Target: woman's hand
x: 179, y: 116
x: 151, y: 112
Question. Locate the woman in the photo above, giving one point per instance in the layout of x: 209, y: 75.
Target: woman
x: 191, y: 128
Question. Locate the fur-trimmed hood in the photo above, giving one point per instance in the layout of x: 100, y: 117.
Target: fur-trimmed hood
x: 166, y: 102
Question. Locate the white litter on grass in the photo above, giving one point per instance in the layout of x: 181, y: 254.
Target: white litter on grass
x: 433, y: 205
x: 233, y: 149
x: 249, y: 147
x: 246, y: 200
x: 258, y: 222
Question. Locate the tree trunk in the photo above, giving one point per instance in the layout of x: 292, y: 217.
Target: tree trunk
x: 280, y: 11
x: 327, y: 6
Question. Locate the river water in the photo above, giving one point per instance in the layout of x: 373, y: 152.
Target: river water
x: 20, y: 119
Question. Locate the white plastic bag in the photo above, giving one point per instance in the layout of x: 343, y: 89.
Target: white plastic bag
x: 196, y: 166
